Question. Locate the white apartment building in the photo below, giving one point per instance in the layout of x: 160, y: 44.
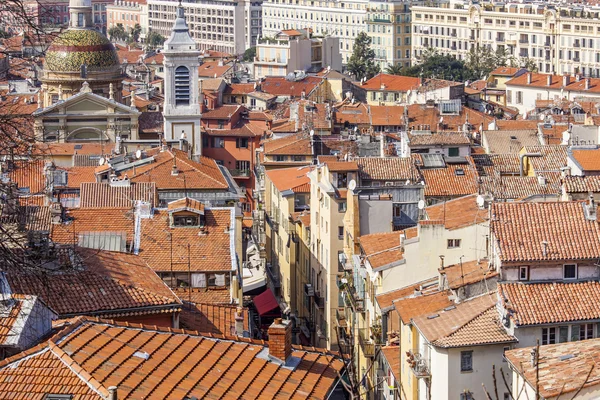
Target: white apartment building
x: 342, y: 19
x: 220, y: 25
x: 560, y: 39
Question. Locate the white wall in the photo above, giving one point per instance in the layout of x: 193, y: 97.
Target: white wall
x: 548, y: 272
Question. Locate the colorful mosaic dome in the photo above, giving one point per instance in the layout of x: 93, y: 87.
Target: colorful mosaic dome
x: 75, y: 47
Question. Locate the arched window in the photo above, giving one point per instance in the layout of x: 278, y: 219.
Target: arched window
x: 182, y: 86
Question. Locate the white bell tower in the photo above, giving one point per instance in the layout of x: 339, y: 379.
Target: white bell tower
x: 182, y: 106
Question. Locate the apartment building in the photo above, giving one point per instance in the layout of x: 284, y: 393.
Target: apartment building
x: 560, y: 39
x: 218, y: 25
x: 129, y: 13
x: 341, y: 19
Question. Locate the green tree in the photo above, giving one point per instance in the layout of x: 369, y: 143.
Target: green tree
x: 362, y: 61
x: 117, y: 32
x: 134, y: 32
x: 433, y: 64
x: 154, y: 39
x: 249, y: 54
x: 394, y: 69
x: 481, y: 60
x: 529, y: 64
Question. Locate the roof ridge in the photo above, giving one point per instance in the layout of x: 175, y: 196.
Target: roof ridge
x: 463, y: 326
x: 196, y: 168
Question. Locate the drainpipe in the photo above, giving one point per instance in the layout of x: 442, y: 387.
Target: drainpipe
x: 521, y: 160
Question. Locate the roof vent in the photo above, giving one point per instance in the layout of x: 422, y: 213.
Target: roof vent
x: 449, y: 308
x: 459, y: 172
x: 433, y: 316
x: 566, y: 357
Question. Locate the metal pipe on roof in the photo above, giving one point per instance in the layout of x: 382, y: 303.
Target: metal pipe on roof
x: 521, y: 157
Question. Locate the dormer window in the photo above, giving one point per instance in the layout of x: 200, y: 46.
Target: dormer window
x: 186, y: 220
x: 186, y: 212
x: 342, y: 180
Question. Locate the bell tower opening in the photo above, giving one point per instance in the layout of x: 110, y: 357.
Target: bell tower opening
x: 182, y: 86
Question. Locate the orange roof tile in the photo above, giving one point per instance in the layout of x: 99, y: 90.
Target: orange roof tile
x: 83, y: 220
x: 210, y: 246
x: 210, y: 295
x: 8, y: 320
x: 212, y: 69
x: 78, y: 175
x: 386, y: 300
x: 212, y: 318
x: 186, y: 204
x: 562, y: 369
x: 505, y: 141
x: 588, y: 159
x: 280, y: 86
x: 459, y: 275
x: 28, y: 174
x: 103, y: 195
x: 452, y: 181
x: 457, y: 213
x: 541, y: 81
x: 109, y: 283
x: 505, y: 71
x: 396, y: 83
x: 521, y: 228
x: 89, y: 356
x: 552, y: 302
x: 387, y: 169
x: 297, y: 144
x: 582, y: 184
x: 411, y: 307
x: 351, y: 113
x: 386, y: 115
x: 383, y: 249
x: 294, y: 179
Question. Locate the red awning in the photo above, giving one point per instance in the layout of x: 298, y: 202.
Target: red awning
x: 265, y: 302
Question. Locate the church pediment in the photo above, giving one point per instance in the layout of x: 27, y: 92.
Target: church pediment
x: 88, y: 104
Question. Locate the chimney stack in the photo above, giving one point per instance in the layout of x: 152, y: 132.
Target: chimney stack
x: 590, y: 209
x: 529, y: 78
x: 587, y: 83
x: 239, y: 321
x: 566, y: 80
x: 549, y: 80
x: 112, y: 393
x: 280, y: 340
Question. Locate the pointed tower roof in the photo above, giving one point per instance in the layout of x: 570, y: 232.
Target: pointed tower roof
x: 180, y: 39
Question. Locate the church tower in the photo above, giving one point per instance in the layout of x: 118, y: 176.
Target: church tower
x: 182, y: 107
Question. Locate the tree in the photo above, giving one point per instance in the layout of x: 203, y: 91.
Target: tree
x: 394, y: 69
x: 134, y: 32
x: 117, y: 32
x: 249, y: 54
x: 433, y: 64
x: 529, y: 64
x: 362, y: 61
x: 481, y: 60
x: 154, y: 39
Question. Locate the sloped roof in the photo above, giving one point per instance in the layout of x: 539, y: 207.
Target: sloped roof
x: 588, y: 159
x: 452, y: 181
x: 411, y: 307
x: 395, y: 83
x: 520, y: 229
x: 296, y: 144
x: 294, y: 179
x: 439, y: 139
x: 91, y: 355
x: 103, y: 195
x: 212, y: 318
x: 387, y: 169
x: 280, y: 86
x: 382, y: 249
x: 466, y: 273
x: 582, y: 184
x: 505, y: 141
x: 80, y: 220
x: 552, y: 302
x: 457, y: 213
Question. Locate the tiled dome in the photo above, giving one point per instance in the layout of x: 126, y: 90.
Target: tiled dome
x: 75, y: 47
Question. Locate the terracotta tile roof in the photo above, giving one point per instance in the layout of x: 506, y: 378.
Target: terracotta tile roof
x: 505, y: 71
x: 472, y: 322
x: 459, y: 275
x: 280, y: 86
x: 553, y: 158
x: 392, y: 356
x: 28, y: 174
x: 452, y: 181
x: 155, y: 59
x: 302, y: 217
x: 212, y: 69
x: 318, y: 117
x: 457, y: 213
x: 588, y: 159
x: 242, y: 129
x: 439, y: 139
x: 222, y: 112
x: 294, y: 179
x: 395, y: 83
x: 519, y: 187
x: 386, y: 115
x: 211, y: 318
x: 411, y: 307
x: 521, y: 228
x: 582, y: 184
x: 505, y: 142
x: 110, y: 283
x: 64, y: 149
x: 186, y: 204
x: 341, y: 166
x: 541, y: 80
x: 148, y: 362
x: 83, y: 220
x: 239, y: 88
x: 386, y: 300
x: 297, y: 144
x: 284, y: 126
x: 353, y: 114
x: 202, y: 174
x: 211, y: 295
x: 496, y: 164
x: 516, y: 124
x: 382, y: 249
x: 553, y: 302
x: 387, y: 169
x: 562, y: 368
x: 210, y: 247
x: 78, y: 175
x: 103, y: 195
x: 8, y: 320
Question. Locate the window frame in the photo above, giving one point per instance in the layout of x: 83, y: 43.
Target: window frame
x: 453, y: 243
x: 466, y: 355
x: 576, y: 270
x: 526, y: 269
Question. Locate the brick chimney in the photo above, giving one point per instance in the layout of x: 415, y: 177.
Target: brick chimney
x: 280, y: 340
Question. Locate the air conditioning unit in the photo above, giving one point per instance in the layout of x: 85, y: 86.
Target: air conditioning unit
x: 309, y: 289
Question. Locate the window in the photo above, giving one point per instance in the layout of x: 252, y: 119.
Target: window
x: 340, y: 232
x: 342, y: 180
x: 242, y: 143
x: 298, y: 158
x: 182, y: 86
x: 280, y: 158
x: 218, y: 142
x: 342, y: 206
x: 524, y: 273
x: 586, y: 331
x: 548, y: 335
x: 519, y: 97
x: 570, y: 271
x: 466, y: 395
x: 453, y: 243
x: 563, y: 334
x: 80, y: 19
x: 574, y: 333
x: 185, y: 220
x: 466, y: 361
x: 453, y: 152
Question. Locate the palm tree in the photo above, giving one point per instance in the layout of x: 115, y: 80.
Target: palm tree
x: 394, y: 69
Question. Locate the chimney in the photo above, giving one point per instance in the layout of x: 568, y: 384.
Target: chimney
x: 529, y: 78
x: 587, y: 83
x: 566, y: 80
x: 533, y: 357
x: 239, y: 321
x: 549, y: 80
x: 590, y: 209
x: 544, y: 248
x: 174, y: 170
x: 577, y: 77
x: 112, y: 393
x: 280, y: 340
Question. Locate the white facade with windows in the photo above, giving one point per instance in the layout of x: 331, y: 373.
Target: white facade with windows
x: 182, y: 111
x: 217, y: 25
x: 340, y: 19
x: 558, y: 39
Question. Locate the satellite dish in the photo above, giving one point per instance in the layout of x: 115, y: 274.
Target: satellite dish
x: 352, y: 185
x: 407, y: 182
x: 480, y: 201
x: 421, y: 204
x: 138, y: 154
x: 312, y: 132
x: 542, y: 117
x: 102, y: 161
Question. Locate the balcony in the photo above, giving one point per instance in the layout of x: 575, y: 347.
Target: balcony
x: 576, y: 44
x: 366, y: 344
x: 240, y: 173
x: 319, y: 301
x: 524, y: 41
x: 354, y: 300
x: 340, y: 315
x: 547, y: 44
x: 418, y: 364
x: 576, y: 59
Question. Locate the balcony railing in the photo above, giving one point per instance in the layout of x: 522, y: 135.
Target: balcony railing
x: 340, y: 314
x: 418, y: 364
x: 367, y: 345
x: 319, y: 301
x: 354, y: 300
x: 240, y: 172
